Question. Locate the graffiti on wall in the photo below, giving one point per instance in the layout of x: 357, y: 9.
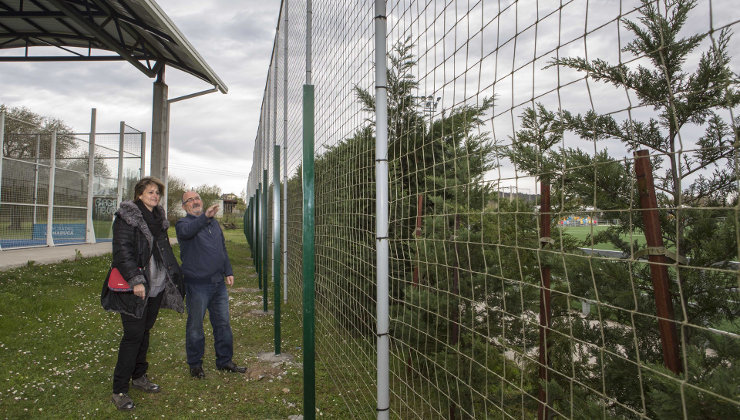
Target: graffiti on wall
x: 104, y: 207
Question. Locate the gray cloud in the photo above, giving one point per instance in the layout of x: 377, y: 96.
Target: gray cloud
x: 236, y: 39
x: 212, y: 131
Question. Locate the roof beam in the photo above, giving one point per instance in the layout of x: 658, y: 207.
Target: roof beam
x: 148, y: 36
x: 137, y: 30
x: 107, y: 40
x: 145, y: 36
x: 39, y: 14
x: 47, y: 34
x: 39, y: 58
x: 62, y: 20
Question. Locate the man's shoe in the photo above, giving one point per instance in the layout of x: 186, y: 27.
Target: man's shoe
x: 197, y: 372
x: 122, y: 401
x: 143, y: 383
x: 231, y: 367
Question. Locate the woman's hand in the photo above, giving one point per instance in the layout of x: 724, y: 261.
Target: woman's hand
x: 140, y: 291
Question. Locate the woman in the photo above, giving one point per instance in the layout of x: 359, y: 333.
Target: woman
x: 142, y: 253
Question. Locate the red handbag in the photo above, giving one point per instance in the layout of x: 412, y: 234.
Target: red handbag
x: 116, y: 282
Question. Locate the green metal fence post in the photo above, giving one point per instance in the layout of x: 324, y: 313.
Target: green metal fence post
x: 254, y: 228
x: 309, y: 369
x: 245, y: 224
x: 257, y: 233
x: 250, y: 224
x: 251, y: 215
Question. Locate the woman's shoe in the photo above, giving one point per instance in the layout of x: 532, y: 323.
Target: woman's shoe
x: 143, y: 383
x: 123, y: 402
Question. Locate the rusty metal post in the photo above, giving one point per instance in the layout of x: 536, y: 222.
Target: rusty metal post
x: 417, y: 233
x: 455, y: 315
x: 454, y: 337
x: 545, y: 309
x: 657, y: 260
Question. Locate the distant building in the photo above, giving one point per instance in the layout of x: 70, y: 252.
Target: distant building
x: 229, y: 203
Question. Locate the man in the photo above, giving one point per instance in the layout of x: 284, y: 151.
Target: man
x: 205, y: 265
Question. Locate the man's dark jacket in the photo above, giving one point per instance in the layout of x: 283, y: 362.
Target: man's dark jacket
x: 202, y: 250
x: 132, y: 250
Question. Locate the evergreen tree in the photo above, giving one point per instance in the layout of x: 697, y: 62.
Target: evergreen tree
x: 446, y: 161
x: 696, y: 190
x: 345, y: 231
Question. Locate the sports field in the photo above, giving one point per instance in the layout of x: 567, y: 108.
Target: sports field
x: 582, y: 233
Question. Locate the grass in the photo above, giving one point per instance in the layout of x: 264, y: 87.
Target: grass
x: 102, y: 228
x: 581, y: 233
x: 231, y: 235
x: 58, y: 348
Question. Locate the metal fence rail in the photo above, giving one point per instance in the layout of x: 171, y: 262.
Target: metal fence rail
x: 563, y: 198
x: 47, y: 195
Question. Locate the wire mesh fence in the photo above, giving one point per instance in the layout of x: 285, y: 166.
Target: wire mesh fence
x: 47, y: 196
x: 563, y: 203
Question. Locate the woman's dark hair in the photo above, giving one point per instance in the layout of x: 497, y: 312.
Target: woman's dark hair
x: 145, y: 182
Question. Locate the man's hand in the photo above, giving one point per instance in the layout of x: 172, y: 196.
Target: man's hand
x: 229, y: 280
x: 212, y: 211
x: 140, y: 291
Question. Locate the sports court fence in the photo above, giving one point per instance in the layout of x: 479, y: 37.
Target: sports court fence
x: 505, y: 119
x: 62, y: 188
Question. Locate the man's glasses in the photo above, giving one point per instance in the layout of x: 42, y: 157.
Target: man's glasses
x: 190, y: 200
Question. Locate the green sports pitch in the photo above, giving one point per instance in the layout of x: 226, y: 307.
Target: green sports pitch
x: 581, y: 233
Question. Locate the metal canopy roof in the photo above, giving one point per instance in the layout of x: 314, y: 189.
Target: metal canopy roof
x: 137, y: 31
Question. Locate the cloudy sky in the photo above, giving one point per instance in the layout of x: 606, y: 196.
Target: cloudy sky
x: 211, y: 136
x: 487, y: 54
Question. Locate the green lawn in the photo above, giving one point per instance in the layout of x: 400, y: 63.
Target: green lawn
x: 58, y: 349
x: 581, y: 233
x: 103, y: 228
x: 233, y: 235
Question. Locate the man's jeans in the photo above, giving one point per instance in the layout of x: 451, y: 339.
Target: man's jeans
x: 211, y: 296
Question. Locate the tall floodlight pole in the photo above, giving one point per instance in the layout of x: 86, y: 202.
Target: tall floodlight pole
x: 309, y: 264
x: 430, y: 105
x: 381, y: 211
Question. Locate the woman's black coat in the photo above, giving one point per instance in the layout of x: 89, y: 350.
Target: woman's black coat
x: 132, y: 250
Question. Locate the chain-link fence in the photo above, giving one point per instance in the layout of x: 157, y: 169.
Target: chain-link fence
x: 77, y: 208
x: 563, y: 204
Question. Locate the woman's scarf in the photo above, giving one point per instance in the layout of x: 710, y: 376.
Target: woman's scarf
x: 153, y: 219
